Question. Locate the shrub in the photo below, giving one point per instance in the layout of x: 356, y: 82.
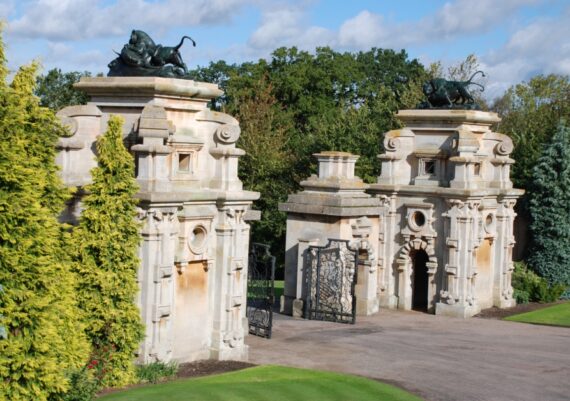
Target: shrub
x: 106, y: 241
x: 530, y: 287
x: 156, y: 372
x: 44, y: 339
x: 84, y: 386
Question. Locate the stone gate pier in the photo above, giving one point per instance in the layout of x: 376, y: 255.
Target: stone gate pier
x: 440, y: 216
x: 193, y: 209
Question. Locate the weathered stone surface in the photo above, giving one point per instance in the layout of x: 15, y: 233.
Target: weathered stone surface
x: 450, y: 168
x: 440, y: 218
x: 332, y: 205
x: 193, y: 273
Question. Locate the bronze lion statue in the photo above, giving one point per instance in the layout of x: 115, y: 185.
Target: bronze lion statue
x: 441, y: 93
x: 142, y: 57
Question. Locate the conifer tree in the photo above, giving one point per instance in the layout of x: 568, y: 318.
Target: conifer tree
x: 44, y: 340
x: 107, y: 240
x: 550, y: 210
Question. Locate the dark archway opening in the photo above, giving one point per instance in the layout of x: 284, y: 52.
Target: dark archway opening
x: 419, y: 281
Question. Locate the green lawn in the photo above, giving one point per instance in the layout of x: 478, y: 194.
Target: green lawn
x: 557, y: 315
x: 262, y: 383
x: 278, y: 289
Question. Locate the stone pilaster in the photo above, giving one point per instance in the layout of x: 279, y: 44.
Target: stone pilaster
x: 156, y: 274
x: 502, y: 289
x: 230, y: 275
x: 458, y: 293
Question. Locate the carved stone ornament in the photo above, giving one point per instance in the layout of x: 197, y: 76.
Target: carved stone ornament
x: 392, y: 144
x: 504, y: 148
x: 227, y: 133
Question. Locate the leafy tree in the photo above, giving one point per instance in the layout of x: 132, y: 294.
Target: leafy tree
x: 267, y: 165
x: 318, y: 101
x: 55, y: 89
x: 107, y: 240
x: 550, y: 210
x: 44, y: 340
x: 530, y: 113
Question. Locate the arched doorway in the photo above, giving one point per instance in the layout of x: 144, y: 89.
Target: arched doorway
x: 419, y: 280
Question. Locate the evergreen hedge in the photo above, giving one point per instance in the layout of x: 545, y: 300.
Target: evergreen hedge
x: 107, y: 240
x: 550, y: 210
x: 44, y: 340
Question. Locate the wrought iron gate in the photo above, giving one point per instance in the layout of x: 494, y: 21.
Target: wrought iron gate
x: 330, y: 281
x: 260, y: 290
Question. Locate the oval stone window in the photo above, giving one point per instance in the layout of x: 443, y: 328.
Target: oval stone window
x: 419, y: 219
x: 197, y: 239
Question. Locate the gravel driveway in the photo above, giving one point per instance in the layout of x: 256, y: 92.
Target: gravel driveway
x: 436, y: 357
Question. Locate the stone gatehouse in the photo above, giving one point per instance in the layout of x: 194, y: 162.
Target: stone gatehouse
x: 194, y: 212
x: 436, y: 227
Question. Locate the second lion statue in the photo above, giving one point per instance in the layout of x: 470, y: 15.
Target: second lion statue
x: 441, y: 93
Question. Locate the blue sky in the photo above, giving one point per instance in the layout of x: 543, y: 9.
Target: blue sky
x: 512, y: 39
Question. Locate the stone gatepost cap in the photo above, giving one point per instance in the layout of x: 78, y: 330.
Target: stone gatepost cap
x: 336, y: 165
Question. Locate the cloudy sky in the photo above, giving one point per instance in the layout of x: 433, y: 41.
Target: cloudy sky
x: 513, y: 39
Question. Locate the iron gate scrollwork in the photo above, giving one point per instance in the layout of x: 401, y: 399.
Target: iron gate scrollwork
x: 260, y: 290
x: 330, y: 281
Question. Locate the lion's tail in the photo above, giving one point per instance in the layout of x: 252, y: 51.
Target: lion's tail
x: 472, y: 76
x: 182, y: 41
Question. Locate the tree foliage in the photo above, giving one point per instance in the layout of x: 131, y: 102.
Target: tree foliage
x: 267, y: 165
x: 44, y: 340
x: 550, y: 210
x: 55, y: 89
x: 311, y: 102
x: 107, y: 240
x: 530, y: 113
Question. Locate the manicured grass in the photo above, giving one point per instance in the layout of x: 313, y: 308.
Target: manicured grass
x: 278, y: 289
x: 557, y: 315
x: 262, y: 383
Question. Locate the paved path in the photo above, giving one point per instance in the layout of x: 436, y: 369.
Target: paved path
x: 438, y: 358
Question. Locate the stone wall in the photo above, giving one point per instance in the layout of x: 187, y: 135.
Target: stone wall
x: 194, y: 212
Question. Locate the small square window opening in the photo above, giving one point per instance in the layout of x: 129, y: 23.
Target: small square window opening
x: 184, y: 162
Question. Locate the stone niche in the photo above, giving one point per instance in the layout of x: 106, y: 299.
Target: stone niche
x: 193, y: 209
x: 441, y: 216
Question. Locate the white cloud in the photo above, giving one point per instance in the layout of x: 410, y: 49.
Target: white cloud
x: 539, y: 48
x: 83, y: 19
x: 284, y: 24
x: 6, y: 8
x: 468, y: 16
x: 362, y: 31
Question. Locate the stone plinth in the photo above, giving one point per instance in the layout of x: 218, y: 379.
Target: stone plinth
x: 446, y: 227
x: 332, y: 205
x: 193, y: 274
